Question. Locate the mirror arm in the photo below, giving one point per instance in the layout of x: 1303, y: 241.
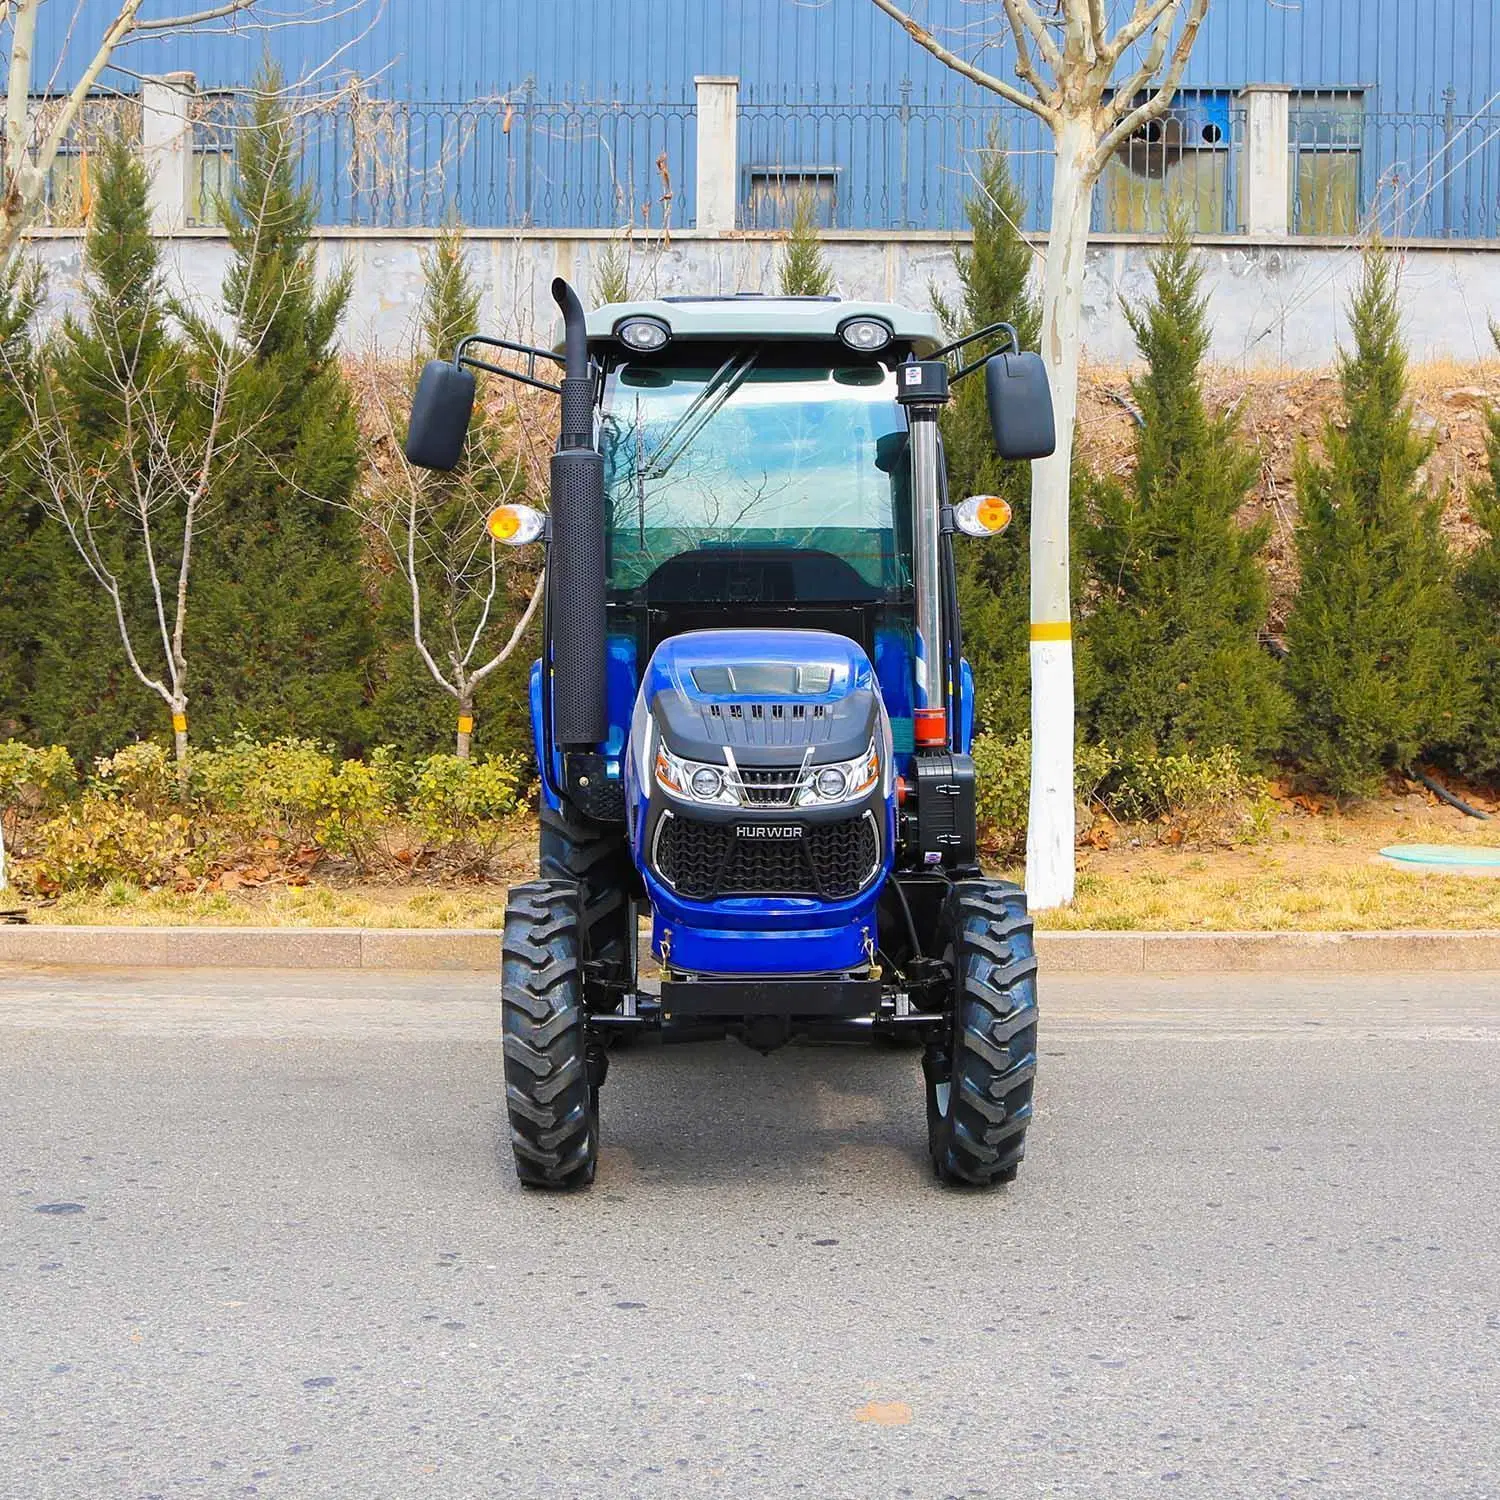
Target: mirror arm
x: 462, y: 357
x: 988, y: 331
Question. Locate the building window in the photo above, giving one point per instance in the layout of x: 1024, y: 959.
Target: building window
x: 1180, y: 159
x: 1327, y: 139
x: 71, y: 179
x: 214, y: 121
x: 771, y: 202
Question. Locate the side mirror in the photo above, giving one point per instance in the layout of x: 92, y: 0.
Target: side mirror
x: 440, y: 414
x: 1020, y: 403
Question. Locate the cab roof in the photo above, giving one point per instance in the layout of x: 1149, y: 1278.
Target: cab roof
x: 748, y: 316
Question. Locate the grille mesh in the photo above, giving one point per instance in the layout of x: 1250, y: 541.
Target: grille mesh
x: 771, y: 788
x: 706, y: 860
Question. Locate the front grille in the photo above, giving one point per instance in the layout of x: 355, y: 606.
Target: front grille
x: 705, y: 860
x: 770, y: 788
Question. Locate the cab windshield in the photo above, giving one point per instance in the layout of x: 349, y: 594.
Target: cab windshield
x: 754, y: 450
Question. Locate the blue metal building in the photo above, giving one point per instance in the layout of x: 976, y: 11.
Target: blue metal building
x: 581, y: 113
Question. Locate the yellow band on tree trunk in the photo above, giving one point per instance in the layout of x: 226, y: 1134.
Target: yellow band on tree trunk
x: 1052, y: 630
x: 179, y: 723
x: 465, y: 724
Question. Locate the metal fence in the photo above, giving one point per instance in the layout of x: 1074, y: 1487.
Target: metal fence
x: 1420, y: 176
x: 878, y: 166
x: 524, y: 161
x: 505, y: 162
x: 916, y: 166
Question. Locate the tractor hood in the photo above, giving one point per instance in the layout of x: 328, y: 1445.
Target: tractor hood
x: 768, y: 696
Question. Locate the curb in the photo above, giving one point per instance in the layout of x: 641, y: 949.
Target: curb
x: 439, y: 949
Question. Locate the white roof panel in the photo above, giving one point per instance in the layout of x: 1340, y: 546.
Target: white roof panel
x: 767, y: 318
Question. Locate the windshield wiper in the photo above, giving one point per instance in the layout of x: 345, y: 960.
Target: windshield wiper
x: 722, y: 384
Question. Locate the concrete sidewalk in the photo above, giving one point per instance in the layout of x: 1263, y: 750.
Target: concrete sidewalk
x: 1414, y: 952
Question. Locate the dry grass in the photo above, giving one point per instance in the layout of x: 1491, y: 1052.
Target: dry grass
x: 1315, y: 873
x: 471, y: 906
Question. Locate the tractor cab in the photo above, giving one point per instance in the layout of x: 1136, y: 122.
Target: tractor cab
x: 752, y: 715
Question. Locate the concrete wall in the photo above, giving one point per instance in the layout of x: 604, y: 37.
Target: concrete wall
x: 1273, y: 302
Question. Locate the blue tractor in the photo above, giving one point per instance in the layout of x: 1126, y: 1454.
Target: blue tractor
x: 752, y: 714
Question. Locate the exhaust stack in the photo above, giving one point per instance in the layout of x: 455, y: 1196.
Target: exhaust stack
x: 575, y: 558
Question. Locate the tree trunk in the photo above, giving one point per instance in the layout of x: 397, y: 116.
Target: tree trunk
x: 1051, y: 829
x: 465, y: 727
x: 180, y: 737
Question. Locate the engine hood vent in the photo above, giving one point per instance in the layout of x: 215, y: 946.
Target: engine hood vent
x: 774, y: 693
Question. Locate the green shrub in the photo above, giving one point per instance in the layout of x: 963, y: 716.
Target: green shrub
x: 1197, y: 797
x: 144, y: 774
x: 803, y: 270
x: 281, y: 634
x: 1194, y: 797
x: 137, y: 823
x: 1375, y: 669
x: 103, y: 839
x: 1003, y: 796
x: 1002, y: 768
x: 35, y: 780
x: 1479, y: 598
x: 294, y: 791
x: 458, y: 806
x: 1182, y: 597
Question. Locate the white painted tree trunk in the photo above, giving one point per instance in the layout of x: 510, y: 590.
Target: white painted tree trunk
x: 178, y: 706
x: 1051, y: 829
x: 465, y: 726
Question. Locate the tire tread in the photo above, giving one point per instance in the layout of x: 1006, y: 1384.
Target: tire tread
x: 549, y: 1101
x: 989, y: 1062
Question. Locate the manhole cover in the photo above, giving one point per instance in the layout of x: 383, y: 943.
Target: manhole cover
x: 1450, y: 857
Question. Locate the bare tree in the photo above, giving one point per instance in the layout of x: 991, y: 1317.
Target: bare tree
x: 461, y: 583
x: 28, y: 158
x: 141, y: 512
x: 1094, y: 87
x: 133, y: 433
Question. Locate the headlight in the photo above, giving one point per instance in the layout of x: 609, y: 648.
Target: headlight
x: 643, y: 334
x: 831, y: 783
x: 866, y: 334
x: 842, y: 781
x: 693, y: 780
x: 707, y: 783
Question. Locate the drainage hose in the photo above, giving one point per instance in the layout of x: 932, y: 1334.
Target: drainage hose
x: 1445, y: 795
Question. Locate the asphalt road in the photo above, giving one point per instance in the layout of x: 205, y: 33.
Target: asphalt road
x: 257, y: 1238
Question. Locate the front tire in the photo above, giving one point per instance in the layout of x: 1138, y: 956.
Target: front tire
x: 980, y: 1078
x: 550, y: 1097
x: 596, y: 856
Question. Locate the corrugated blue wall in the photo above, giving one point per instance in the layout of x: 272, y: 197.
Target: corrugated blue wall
x: 1405, y: 51
x: 821, y: 81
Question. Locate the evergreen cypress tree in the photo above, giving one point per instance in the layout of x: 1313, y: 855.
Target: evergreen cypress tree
x: 282, y: 628
x: 804, y: 270
x: 1479, y: 597
x: 611, y: 281
x: 1182, y: 598
x: 411, y: 711
x: 1375, y: 666
x: 82, y: 692
x: 26, y: 560
x: 993, y: 574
